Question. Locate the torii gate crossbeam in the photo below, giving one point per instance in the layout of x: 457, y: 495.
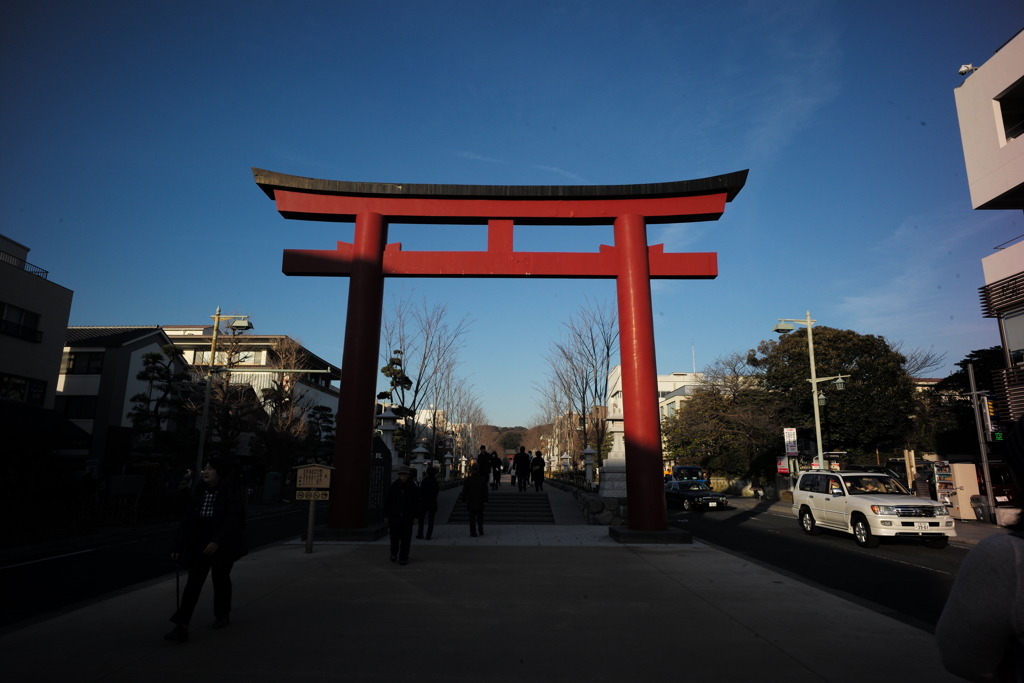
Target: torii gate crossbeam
x: 369, y: 260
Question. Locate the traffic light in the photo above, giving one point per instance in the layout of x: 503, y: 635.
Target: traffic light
x: 992, y: 420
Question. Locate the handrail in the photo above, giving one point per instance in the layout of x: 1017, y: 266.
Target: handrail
x: 23, y: 265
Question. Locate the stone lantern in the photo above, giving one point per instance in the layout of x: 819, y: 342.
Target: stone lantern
x: 388, y: 426
x: 420, y: 461
x: 613, y: 471
x: 588, y: 459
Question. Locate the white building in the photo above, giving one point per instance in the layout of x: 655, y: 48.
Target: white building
x: 673, y: 390
x: 990, y: 107
x: 256, y: 355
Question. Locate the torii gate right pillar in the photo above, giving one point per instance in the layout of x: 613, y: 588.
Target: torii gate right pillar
x: 639, y: 377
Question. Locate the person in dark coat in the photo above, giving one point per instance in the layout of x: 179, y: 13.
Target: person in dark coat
x: 209, y: 539
x: 474, y: 492
x: 521, y: 462
x: 537, y: 471
x: 495, y: 470
x: 401, y: 511
x: 483, y: 458
x: 428, y: 500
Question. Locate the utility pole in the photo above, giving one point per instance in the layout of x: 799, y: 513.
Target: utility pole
x: 982, y: 446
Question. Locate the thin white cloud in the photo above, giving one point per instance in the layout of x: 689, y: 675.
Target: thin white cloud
x: 561, y: 172
x: 478, y: 157
x: 678, y: 237
x: 920, y: 300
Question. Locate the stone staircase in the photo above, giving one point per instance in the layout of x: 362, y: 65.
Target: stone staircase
x: 509, y: 506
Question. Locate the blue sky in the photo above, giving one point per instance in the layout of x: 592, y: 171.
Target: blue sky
x: 129, y: 130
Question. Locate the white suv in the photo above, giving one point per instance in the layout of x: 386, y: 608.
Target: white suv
x: 868, y: 505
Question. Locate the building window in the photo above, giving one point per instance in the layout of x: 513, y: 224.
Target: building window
x: 83, y: 363
x: 76, y: 407
x: 22, y: 389
x: 18, y: 322
x: 1013, y: 327
x: 1011, y: 110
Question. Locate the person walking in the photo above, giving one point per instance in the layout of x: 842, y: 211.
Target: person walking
x: 522, y: 464
x: 428, y: 500
x: 401, y: 511
x: 537, y: 471
x: 474, y: 492
x: 495, y: 470
x: 483, y: 458
x: 209, y: 539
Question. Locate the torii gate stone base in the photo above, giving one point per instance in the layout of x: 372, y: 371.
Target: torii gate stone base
x: 370, y: 259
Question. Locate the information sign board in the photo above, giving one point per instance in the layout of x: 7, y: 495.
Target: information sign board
x: 313, y: 477
x: 790, y: 434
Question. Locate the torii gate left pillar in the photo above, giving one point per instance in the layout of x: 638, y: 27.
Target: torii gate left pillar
x: 369, y: 260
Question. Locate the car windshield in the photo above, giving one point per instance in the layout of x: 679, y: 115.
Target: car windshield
x: 692, y: 486
x: 861, y: 485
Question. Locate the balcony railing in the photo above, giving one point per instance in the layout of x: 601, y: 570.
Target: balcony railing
x: 13, y: 260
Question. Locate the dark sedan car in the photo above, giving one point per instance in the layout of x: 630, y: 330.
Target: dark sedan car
x: 690, y: 495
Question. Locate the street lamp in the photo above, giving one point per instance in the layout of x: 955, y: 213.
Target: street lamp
x: 785, y: 326
x: 239, y: 323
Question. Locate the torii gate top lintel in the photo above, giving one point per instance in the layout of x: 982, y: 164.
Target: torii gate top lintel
x: 319, y: 199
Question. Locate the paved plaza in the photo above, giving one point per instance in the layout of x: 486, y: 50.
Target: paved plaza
x: 556, y: 602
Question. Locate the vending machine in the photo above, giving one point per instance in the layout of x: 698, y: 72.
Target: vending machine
x: 955, y: 483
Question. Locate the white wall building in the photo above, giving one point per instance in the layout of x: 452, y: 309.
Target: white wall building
x: 673, y: 390
x: 990, y: 107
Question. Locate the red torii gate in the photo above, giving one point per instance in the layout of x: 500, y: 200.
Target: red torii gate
x: 369, y: 259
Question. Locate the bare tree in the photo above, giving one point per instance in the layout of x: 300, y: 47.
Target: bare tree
x: 235, y: 408
x: 423, y: 347
x: 578, y: 367
x: 287, y: 403
x: 920, y: 360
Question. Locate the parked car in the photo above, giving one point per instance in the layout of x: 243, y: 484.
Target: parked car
x: 869, y: 505
x: 693, y: 494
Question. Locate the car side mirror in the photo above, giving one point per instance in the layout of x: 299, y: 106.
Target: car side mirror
x: 838, y: 492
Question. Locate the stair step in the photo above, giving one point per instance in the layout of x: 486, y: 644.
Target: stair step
x: 509, y: 507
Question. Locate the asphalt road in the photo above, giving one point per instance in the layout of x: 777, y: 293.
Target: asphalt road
x: 45, y: 581
x: 900, y: 578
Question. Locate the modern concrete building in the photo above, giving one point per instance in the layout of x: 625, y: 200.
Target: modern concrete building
x: 33, y: 317
x: 990, y: 107
x: 673, y: 390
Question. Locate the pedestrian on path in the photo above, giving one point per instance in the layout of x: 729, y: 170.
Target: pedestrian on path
x: 979, y: 633
x: 483, y: 458
x: 474, y: 492
x: 209, y: 539
x: 495, y: 470
x: 522, y: 465
x: 428, y: 498
x: 401, y: 511
x: 537, y: 471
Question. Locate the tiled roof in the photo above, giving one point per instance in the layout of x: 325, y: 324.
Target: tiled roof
x: 107, y: 336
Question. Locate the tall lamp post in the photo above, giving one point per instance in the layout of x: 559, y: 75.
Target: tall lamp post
x: 241, y: 322
x: 818, y: 398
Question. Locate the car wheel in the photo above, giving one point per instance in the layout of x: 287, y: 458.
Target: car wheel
x: 862, y: 533
x: 808, y: 524
x: 937, y: 543
x: 687, y: 505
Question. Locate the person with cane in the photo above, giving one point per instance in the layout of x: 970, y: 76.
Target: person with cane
x: 209, y: 540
